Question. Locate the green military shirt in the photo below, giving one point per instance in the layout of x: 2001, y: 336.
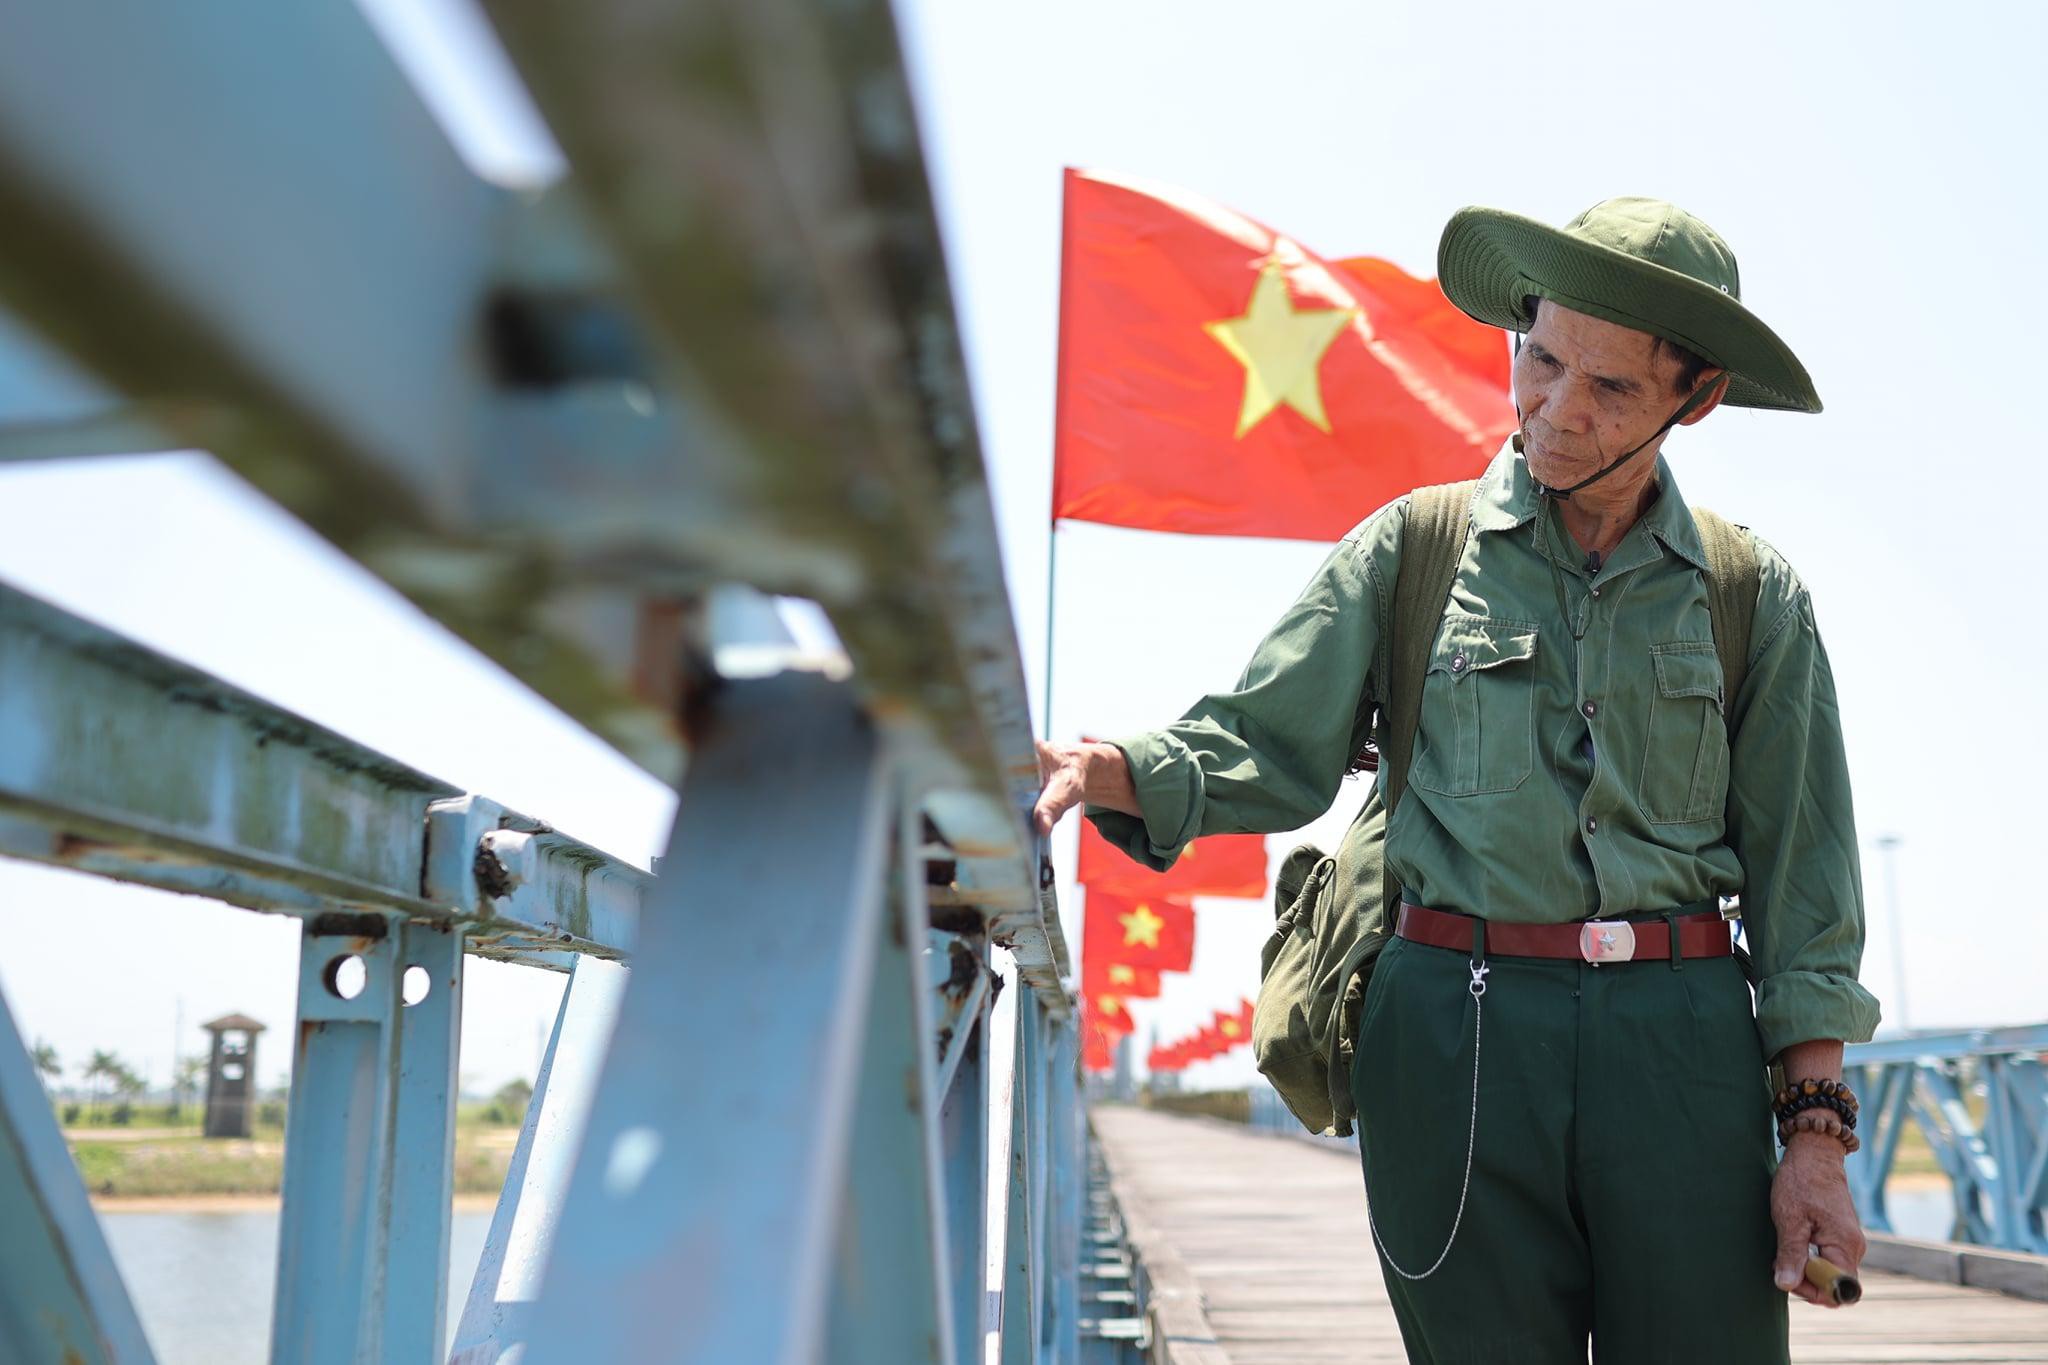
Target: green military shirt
x: 1562, y: 770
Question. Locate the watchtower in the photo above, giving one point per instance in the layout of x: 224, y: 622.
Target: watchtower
x: 230, y: 1074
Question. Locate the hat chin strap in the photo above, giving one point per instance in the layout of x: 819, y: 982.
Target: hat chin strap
x: 1691, y: 405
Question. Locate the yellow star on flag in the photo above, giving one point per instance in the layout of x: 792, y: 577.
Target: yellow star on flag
x: 1120, y: 975
x: 1281, y: 348
x: 1230, y: 1028
x: 1109, y: 1004
x: 1141, y: 927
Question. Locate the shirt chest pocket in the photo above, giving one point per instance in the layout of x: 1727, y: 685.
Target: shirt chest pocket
x: 1685, y: 751
x: 1478, y: 730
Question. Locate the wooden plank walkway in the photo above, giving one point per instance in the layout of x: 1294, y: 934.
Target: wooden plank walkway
x: 1244, y: 1222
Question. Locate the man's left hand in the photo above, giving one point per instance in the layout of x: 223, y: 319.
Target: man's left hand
x: 1810, y: 1203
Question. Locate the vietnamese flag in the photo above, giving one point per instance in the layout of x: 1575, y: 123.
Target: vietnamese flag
x: 1119, y: 979
x: 1104, y: 1020
x: 1231, y: 1029
x: 1220, y: 865
x: 1218, y: 378
x: 1098, y: 1051
x: 1153, y: 932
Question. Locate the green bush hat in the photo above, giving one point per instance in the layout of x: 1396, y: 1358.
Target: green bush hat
x: 1641, y: 263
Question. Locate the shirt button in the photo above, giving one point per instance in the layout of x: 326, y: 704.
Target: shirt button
x: 1590, y: 708
x: 1457, y: 663
x: 1596, y: 592
x: 1592, y: 825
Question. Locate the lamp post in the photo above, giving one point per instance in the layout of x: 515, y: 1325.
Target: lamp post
x: 1889, y: 845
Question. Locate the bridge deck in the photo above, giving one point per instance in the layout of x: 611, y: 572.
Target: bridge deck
x: 1250, y: 1218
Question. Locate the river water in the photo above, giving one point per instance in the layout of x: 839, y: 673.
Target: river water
x: 202, y: 1281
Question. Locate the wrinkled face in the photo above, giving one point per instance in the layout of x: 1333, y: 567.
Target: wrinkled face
x: 1590, y: 391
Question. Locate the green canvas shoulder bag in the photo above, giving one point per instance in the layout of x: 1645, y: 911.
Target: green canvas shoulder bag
x: 1333, y: 914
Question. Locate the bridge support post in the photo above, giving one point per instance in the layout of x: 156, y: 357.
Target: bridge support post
x: 1024, y: 1242
x: 499, y: 1312
x: 369, y: 1144
x: 701, y: 1216
x: 62, y: 1301
x: 889, y: 1288
x: 1066, y: 1181
x: 963, y: 1153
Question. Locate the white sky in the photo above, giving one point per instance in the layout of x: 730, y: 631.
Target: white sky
x: 1869, y: 165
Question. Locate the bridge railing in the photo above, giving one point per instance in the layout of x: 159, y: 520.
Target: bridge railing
x: 721, y: 352
x: 1994, y: 1153
x: 1996, y: 1162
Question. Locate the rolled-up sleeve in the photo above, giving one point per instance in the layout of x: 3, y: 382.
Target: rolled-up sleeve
x: 1268, y: 754
x: 1793, y: 827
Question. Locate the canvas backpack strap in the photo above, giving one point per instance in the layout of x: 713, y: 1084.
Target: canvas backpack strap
x: 1432, y: 543
x: 1733, y: 582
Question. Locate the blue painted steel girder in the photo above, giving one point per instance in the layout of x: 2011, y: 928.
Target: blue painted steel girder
x: 701, y: 1219
x: 119, y: 761
x: 61, y: 1299
x: 369, y: 1146
x: 499, y: 1314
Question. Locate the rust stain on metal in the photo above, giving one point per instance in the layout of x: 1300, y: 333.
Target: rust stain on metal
x: 368, y: 929
x: 955, y: 919
x: 492, y: 876
x: 70, y: 848
x: 961, y: 972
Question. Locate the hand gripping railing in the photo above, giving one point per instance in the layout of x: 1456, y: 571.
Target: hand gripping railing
x: 723, y: 352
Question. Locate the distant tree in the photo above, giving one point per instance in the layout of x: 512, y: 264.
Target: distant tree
x: 508, y: 1105
x: 100, y: 1074
x: 47, y: 1065
x: 128, y: 1084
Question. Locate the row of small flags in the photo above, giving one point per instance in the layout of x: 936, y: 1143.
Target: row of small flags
x: 1228, y: 1029
x: 1218, y: 378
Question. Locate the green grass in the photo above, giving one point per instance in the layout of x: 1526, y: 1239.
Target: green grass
x: 188, y: 1164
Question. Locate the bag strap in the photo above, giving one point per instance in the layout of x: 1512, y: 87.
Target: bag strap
x: 1734, y: 579
x: 1432, y: 543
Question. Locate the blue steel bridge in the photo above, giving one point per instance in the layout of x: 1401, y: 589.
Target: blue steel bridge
x: 577, y: 425
x: 588, y: 427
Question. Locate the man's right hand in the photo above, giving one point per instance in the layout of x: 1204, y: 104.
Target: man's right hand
x: 1071, y: 774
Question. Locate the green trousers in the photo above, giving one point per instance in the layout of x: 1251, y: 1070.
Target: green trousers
x: 1621, y: 1160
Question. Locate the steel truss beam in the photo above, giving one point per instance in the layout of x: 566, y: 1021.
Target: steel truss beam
x: 369, y: 1145
x: 704, y: 1208
x: 61, y: 1299
x: 119, y: 761
x: 499, y: 1315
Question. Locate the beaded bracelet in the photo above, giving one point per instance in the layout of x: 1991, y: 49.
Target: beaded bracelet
x: 1820, y: 1121
x: 1817, y: 1094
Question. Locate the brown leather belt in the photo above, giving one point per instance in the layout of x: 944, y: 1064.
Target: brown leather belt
x: 1595, y: 941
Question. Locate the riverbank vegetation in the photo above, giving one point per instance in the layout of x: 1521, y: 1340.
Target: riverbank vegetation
x: 159, y: 1151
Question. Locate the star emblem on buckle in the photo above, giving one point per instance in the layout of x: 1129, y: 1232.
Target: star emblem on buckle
x: 1607, y: 941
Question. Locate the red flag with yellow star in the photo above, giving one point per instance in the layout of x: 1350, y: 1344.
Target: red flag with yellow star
x: 1153, y: 932
x: 1232, y: 1028
x: 1220, y: 865
x: 1119, y: 979
x: 1218, y: 378
x: 1104, y: 1020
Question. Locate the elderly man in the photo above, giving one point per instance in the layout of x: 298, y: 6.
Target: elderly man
x: 1597, y: 1160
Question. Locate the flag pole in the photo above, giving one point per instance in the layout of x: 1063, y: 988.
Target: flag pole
x: 1052, y: 581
